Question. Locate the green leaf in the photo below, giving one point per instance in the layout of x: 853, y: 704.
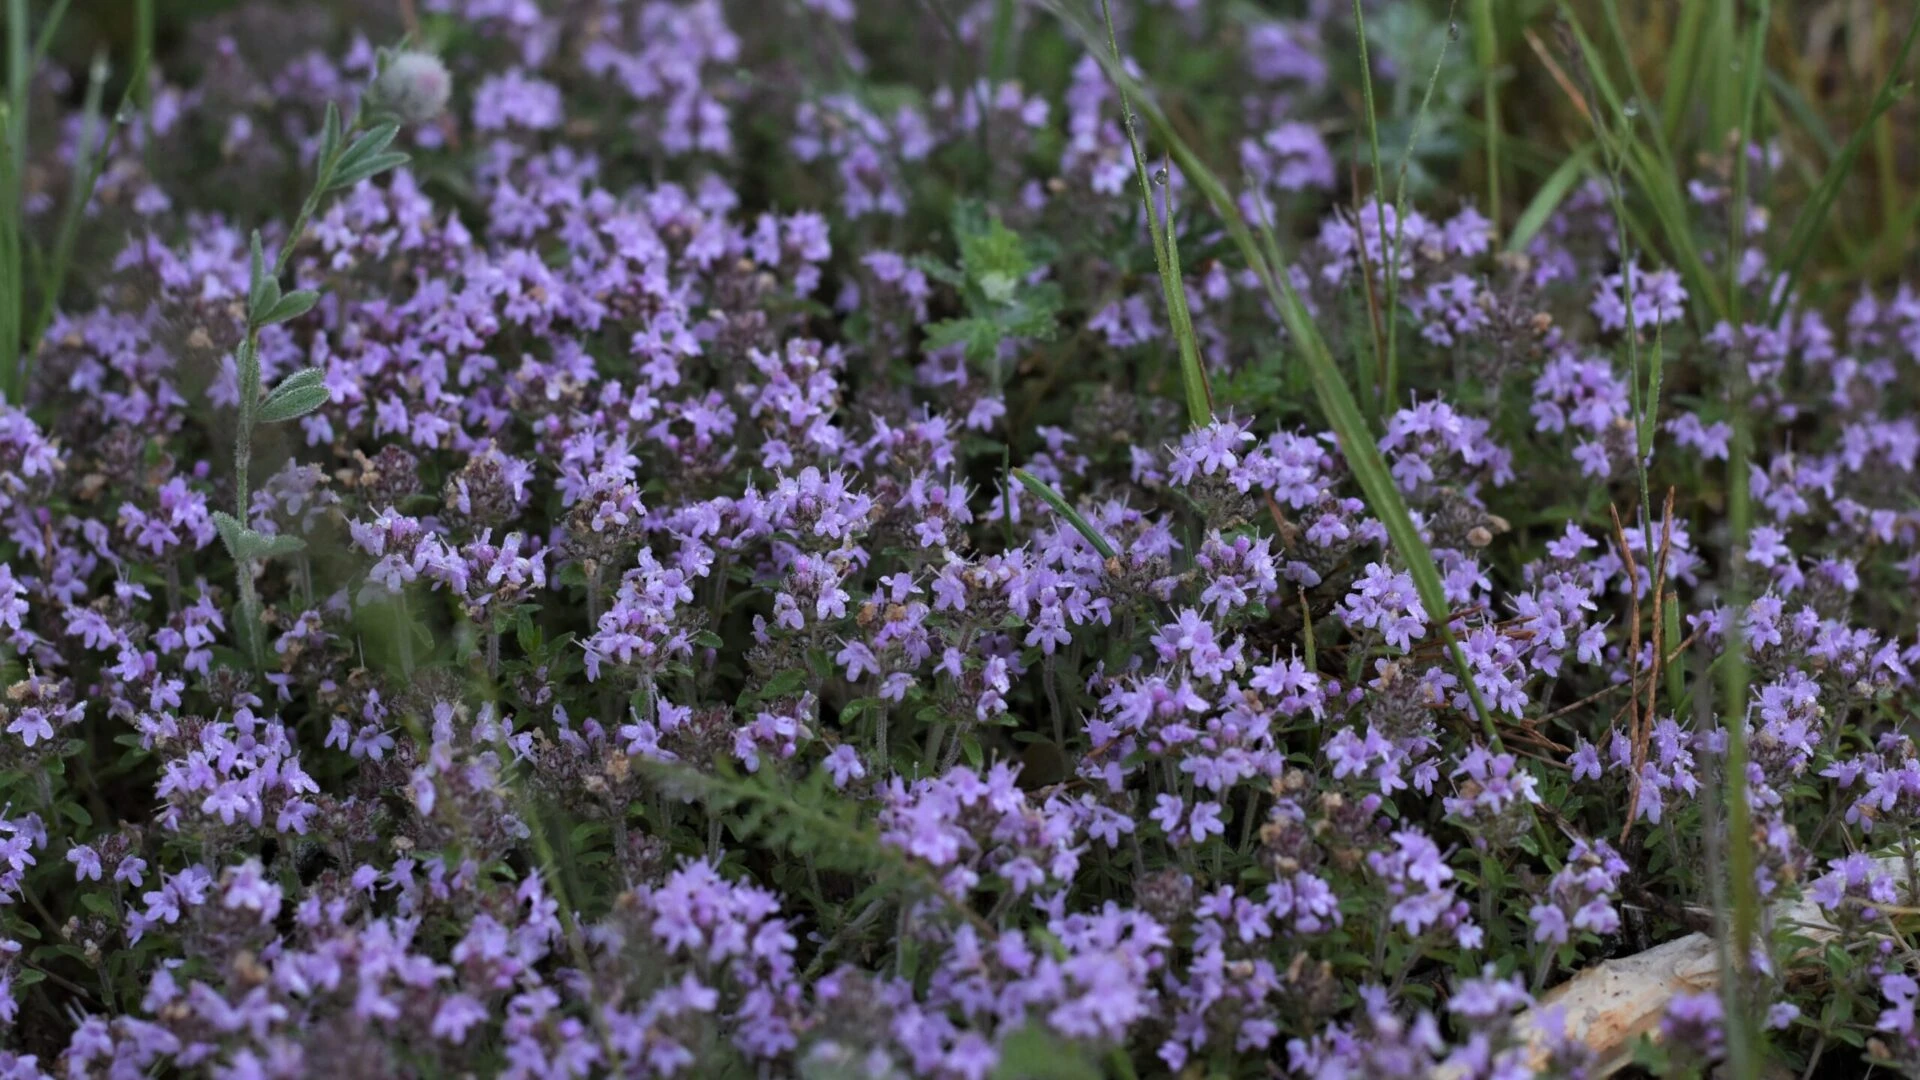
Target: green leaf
x: 787, y: 682
x: 939, y: 271
x: 371, y: 143
x: 291, y: 306
x: 246, y: 544
x: 373, y: 166
x: 527, y: 634
x: 981, y: 337
x: 232, y: 533
x: 280, y: 544
x: 296, y: 396
x: 1034, y: 1053
x: 262, y: 291
x: 329, y: 140
x: 368, y: 156
x: 988, y: 249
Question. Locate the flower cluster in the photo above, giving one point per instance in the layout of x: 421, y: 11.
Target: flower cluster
x: 767, y: 582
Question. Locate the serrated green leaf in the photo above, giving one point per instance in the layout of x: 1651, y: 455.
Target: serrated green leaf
x: 980, y: 337
x: 939, y: 271
x: 1035, y: 1053
x: 246, y: 544
x: 280, y: 544
x: 231, y: 532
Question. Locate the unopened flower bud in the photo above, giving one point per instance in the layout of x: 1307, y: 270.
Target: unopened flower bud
x: 414, y: 86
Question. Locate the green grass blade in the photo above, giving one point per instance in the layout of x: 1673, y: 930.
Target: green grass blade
x: 1655, y: 179
x: 1330, y: 388
x: 19, y: 72
x: 86, y: 174
x: 1650, y: 414
x: 44, y: 40
x: 1803, y: 113
x: 1486, y: 49
x: 1054, y: 499
x: 1381, y: 359
x: 1193, y: 376
x: 1676, y: 672
x: 1682, y: 61
x: 1552, y: 193
x: 1610, y: 9
x: 13, y: 172
x: 1807, y: 229
x: 1390, y: 387
x: 1743, y: 1034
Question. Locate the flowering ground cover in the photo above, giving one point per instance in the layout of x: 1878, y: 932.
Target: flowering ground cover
x: 955, y: 538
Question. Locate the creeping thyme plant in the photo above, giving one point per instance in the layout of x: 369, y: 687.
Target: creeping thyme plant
x: 954, y: 538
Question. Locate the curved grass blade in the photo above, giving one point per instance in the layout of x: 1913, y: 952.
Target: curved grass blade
x: 1743, y: 1033
x: 1390, y: 384
x: 1330, y: 388
x: 1486, y: 49
x: 1193, y: 376
x: 1807, y: 228
x: 1053, y: 498
x: 1548, y: 199
x: 1382, y: 352
x: 87, y: 165
x: 1652, y: 174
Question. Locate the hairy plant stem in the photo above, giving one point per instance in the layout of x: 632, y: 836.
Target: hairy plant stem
x: 249, y: 376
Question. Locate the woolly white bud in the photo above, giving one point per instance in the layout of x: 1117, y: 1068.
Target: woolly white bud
x: 414, y: 86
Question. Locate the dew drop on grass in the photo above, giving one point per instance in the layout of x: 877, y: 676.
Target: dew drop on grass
x: 1159, y: 177
x: 1453, y: 30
